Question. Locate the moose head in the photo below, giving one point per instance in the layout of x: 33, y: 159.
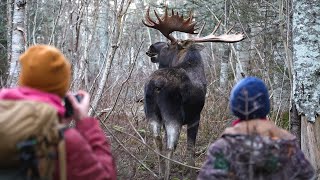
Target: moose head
x: 167, y: 54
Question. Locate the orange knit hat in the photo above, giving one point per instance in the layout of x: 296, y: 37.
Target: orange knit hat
x: 45, y: 68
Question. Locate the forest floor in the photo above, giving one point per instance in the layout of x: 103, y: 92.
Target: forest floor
x: 130, y: 134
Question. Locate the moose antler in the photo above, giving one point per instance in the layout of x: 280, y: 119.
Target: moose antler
x: 167, y: 24
x: 229, y: 38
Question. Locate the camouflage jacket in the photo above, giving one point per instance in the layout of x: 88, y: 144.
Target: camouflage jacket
x: 256, y: 149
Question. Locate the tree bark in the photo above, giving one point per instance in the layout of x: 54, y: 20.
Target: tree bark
x: 224, y: 68
x: 310, y: 139
x: 295, y: 123
x: 9, y: 35
x: 226, y: 51
x: 243, y: 59
x: 81, y: 68
x: 18, y: 40
x: 306, y: 75
x: 9, y: 27
x: 103, y: 21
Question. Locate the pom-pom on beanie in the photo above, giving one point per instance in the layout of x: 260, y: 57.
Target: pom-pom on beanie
x: 249, y: 99
x: 45, y: 68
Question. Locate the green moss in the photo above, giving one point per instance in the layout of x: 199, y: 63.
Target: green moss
x: 284, y: 121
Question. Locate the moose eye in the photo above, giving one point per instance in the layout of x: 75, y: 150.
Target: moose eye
x: 152, y: 48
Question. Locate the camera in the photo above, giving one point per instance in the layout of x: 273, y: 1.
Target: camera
x: 68, y: 105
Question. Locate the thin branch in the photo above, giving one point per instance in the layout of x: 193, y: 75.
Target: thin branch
x: 149, y: 147
x: 121, y: 144
x: 55, y: 23
x: 124, y: 82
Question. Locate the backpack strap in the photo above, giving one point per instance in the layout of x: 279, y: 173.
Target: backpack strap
x: 62, y: 154
x: 28, y: 158
x: 62, y: 159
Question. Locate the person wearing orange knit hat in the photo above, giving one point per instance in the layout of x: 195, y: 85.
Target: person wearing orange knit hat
x: 45, y: 77
x: 45, y: 68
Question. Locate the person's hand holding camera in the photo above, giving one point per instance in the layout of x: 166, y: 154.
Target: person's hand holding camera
x: 80, y: 109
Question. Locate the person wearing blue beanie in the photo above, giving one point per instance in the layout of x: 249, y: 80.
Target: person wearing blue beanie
x: 249, y: 99
x: 254, y: 147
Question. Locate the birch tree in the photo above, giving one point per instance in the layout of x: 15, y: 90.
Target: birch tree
x: 81, y: 68
x: 306, y: 75
x: 226, y: 51
x: 242, y: 59
x: 243, y: 48
x: 3, y: 43
x: 9, y: 27
x: 103, y: 31
x: 119, y: 18
x: 18, y: 40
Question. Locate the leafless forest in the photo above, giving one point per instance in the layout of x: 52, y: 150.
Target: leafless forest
x: 106, y: 43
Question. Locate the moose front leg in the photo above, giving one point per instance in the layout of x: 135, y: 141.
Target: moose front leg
x: 155, y: 127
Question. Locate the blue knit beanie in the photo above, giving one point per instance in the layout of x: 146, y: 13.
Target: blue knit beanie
x: 249, y: 99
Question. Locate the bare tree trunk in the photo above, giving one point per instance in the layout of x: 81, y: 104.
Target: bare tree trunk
x: 224, y: 69
x: 243, y: 59
x: 306, y: 76
x: 243, y: 53
x: 34, y: 37
x: 77, y: 43
x: 100, y: 58
x: 295, y: 123
x: 116, y: 40
x: 81, y: 67
x: 226, y: 51
x: 310, y: 138
x: 103, y: 22
x: 9, y: 27
x: 18, y: 40
x: 281, y: 94
x: 69, y: 34
x: 277, y: 91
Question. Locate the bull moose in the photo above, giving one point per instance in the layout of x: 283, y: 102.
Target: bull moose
x: 175, y: 93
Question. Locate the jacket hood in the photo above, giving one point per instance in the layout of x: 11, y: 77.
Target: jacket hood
x: 25, y: 93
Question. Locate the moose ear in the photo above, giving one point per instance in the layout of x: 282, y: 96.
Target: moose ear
x: 197, y: 46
